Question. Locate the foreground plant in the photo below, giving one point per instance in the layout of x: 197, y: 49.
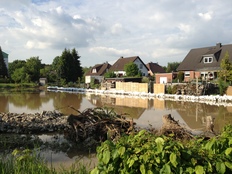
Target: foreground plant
x: 147, y: 153
x: 28, y: 161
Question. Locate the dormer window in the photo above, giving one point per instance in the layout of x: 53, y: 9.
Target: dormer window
x: 94, y: 70
x: 208, y: 59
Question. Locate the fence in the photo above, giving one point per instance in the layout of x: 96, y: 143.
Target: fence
x: 132, y: 87
x: 140, y: 87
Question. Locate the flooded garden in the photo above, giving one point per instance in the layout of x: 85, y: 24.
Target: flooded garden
x: 58, y: 138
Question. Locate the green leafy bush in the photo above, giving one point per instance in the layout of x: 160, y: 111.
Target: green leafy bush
x: 147, y: 153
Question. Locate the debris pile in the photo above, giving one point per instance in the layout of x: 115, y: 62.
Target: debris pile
x: 98, y: 124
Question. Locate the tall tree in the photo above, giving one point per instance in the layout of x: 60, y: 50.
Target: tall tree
x: 3, y: 68
x: 77, y: 69
x: 15, y: 65
x: 68, y: 66
x: 19, y: 75
x: 33, y: 66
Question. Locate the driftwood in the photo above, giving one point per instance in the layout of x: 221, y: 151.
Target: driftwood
x: 173, y: 128
x: 98, y: 124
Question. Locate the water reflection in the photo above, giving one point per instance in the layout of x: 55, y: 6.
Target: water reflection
x: 143, y: 110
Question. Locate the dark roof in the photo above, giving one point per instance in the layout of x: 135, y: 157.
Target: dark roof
x: 122, y: 61
x: 193, y: 60
x: 101, y: 69
x: 155, y: 68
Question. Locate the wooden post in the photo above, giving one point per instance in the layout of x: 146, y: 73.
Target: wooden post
x: 209, y: 123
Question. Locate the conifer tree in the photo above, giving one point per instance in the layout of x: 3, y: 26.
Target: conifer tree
x: 3, y: 68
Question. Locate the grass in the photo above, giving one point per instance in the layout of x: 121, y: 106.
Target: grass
x: 28, y: 161
x: 18, y: 85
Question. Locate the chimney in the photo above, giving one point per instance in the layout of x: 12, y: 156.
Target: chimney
x: 219, y: 45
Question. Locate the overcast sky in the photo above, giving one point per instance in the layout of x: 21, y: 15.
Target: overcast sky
x: 104, y: 30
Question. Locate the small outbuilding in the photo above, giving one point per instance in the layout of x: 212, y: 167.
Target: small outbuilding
x: 42, y: 81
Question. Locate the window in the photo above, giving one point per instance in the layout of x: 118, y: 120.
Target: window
x: 141, y: 66
x: 94, y: 70
x: 208, y: 59
x: 186, y: 73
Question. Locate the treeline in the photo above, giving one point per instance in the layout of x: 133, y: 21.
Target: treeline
x: 64, y: 69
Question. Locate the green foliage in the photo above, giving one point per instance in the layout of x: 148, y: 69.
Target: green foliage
x: 23, y: 161
x: 226, y: 68
x: 145, y: 80
x: 3, y: 68
x: 110, y: 74
x: 180, y: 76
x: 172, y: 66
x: 47, y: 72
x: 16, y: 64
x: 222, y: 85
x: 169, y: 89
x: 28, y: 161
x: 25, y: 71
x: 132, y: 70
x: 19, y: 75
x: 144, y: 152
x: 67, y: 66
x: 33, y: 66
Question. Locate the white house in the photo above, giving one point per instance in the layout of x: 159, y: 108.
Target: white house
x: 118, y: 66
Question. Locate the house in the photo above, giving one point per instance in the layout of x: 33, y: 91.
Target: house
x: 43, y: 81
x: 96, y: 73
x: 204, y: 62
x: 154, y: 68
x: 163, y: 78
x: 118, y: 66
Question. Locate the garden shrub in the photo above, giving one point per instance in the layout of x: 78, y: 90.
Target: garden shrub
x: 147, y: 153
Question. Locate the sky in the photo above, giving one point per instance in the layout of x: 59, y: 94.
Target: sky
x: 158, y: 31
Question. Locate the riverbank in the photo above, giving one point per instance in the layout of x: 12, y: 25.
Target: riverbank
x: 217, y: 100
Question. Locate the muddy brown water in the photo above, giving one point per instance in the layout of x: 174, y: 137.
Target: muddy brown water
x: 146, y: 112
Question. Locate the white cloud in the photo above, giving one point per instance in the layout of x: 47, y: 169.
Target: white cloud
x: 206, y: 16
x: 111, y: 51
x: 117, y: 28
x: 104, y: 30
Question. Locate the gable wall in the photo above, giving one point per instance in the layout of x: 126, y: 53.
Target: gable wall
x: 159, y: 75
x: 143, y: 69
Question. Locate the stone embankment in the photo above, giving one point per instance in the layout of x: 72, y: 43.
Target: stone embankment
x: 97, y: 123
x: 44, y: 122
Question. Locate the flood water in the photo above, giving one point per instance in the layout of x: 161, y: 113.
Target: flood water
x: 146, y: 112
